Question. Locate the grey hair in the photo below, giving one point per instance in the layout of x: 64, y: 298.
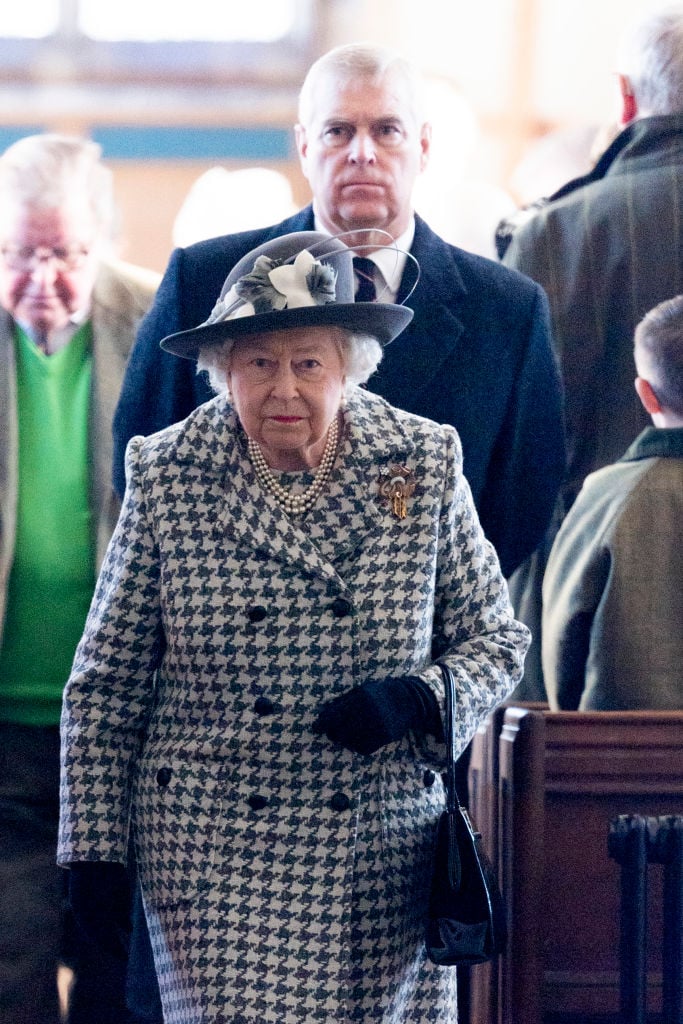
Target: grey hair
x: 47, y: 171
x: 651, y: 56
x: 659, y: 351
x: 361, y: 355
x: 365, y: 61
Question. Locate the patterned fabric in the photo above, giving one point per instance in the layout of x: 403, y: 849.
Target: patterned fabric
x: 284, y: 878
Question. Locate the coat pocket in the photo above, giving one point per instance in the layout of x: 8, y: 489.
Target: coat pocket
x: 178, y: 808
x: 412, y: 800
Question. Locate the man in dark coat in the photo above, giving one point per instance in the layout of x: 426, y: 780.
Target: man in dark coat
x: 477, y: 354
x: 607, y: 248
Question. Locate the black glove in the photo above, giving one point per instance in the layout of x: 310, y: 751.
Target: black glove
x: 379, y: 712
x: 100, y: 899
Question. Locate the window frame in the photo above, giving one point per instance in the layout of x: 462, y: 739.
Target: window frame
x: 67, y: 56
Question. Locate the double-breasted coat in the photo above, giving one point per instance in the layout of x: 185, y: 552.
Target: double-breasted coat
x: 284, y: 877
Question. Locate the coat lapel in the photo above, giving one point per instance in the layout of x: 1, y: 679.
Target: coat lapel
x: 374, y: 442
x: 414, y: 361
x: 119, y: 300
x: 355, y: 510
x: 248, y: 515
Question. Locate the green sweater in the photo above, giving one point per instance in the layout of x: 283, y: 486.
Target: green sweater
x: 53, y: 572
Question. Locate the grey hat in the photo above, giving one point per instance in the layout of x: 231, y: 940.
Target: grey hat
x: 299, y: 280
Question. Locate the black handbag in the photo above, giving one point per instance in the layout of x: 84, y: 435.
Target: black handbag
x: 466, y: 918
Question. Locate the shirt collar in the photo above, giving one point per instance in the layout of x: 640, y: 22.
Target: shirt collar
x: 391, y: 262
x: 656, y: 442
x: 59, y: 339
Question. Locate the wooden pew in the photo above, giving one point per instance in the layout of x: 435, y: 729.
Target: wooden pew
x: 483, y: 783
x: 561, y: 778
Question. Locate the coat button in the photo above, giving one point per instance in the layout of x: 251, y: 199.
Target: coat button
x: 263, y: 706
x: 164, y: 776
x: 257, y: 613
x: 257, y: 802
x: 340, y: 607
x: 340, y: 802
x: 429, y: 778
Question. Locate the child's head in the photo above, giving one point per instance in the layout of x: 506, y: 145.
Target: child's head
x: 658, y: 352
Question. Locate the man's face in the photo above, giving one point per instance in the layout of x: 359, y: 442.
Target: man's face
x: 48, y: 264
x: 362, y: 151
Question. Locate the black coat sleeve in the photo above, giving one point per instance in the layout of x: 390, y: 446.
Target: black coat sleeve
x: 159, y: 388
x: 529, y: 459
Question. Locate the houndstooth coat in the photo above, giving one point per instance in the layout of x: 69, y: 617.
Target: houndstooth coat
x: 285, y: 878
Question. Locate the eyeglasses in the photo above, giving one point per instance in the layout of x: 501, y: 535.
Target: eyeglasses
x: 25, y: 257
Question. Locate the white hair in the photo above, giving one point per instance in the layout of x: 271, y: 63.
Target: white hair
x: 46, y: 172
x: 354, y: 61
x: 651, y: 57
x: 361, y: 355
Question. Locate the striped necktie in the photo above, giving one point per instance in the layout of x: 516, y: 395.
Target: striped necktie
x: 365, y: 277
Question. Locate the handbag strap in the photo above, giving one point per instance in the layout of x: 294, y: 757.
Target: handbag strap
x: 452, y: 799
x: 454, y: 809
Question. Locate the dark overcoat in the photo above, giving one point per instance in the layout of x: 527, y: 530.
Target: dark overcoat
x: 606, y: 250
x: 284, y: 877
x: 477, y: 355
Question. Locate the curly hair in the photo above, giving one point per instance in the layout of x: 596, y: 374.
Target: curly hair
x: 361, y: 355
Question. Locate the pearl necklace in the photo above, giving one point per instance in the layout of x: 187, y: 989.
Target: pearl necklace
x: 297, y: 504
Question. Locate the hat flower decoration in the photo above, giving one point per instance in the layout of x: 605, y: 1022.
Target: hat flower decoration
x: 272, y: 286
x: 292, y: 281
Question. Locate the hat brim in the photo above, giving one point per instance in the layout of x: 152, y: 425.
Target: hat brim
x: 383, y: 321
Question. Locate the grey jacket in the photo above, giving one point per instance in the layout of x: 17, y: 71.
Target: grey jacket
x: 606, y: 249
x: 613, y: 590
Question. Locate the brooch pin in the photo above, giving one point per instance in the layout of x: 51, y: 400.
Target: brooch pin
x: 397, y: 485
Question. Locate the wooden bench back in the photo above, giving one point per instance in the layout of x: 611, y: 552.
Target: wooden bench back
x: 544, y: 787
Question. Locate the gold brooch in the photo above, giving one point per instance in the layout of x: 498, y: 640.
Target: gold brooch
x: 397, y: 485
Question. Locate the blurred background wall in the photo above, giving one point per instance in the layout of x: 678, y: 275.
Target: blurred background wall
x: 522, y: 93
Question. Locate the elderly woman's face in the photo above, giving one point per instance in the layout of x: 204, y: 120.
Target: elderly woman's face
x: 287, y: 387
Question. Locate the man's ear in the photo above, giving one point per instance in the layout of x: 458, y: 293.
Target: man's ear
x: 647, y: 396
x: 629, y: 106
x: 425, y: 144
x: 300, y: 139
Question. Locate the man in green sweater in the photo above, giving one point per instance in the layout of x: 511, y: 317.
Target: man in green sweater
x: 68, y: 319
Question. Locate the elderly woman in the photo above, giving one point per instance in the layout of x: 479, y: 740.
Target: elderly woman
x: 255, y: 690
